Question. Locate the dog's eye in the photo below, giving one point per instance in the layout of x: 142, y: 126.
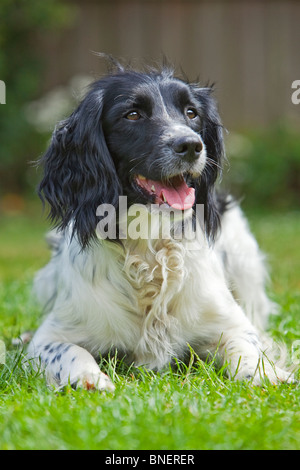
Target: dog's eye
x: 191, y: 113
x: 133, y: 116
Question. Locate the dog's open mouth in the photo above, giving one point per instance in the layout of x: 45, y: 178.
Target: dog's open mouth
x: 175, y: 192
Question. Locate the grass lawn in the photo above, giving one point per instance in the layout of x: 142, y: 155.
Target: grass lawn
x: 191, y: 408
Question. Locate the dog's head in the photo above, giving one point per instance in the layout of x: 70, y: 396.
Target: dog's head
x: 149, y: 136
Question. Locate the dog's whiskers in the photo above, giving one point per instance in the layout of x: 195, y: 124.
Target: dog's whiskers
x: 211, y: 163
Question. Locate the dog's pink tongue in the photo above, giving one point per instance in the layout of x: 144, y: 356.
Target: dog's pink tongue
x: 177, y: 194
x: 180, y: 197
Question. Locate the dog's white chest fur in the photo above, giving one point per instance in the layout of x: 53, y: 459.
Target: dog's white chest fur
x: 145, y: 299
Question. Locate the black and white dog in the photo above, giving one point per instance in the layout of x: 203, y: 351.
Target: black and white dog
x: 156, y: 141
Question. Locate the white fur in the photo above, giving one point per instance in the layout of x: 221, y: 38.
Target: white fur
x: 150, y: 299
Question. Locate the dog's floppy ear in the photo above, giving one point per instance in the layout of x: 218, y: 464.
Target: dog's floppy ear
x: 79, y: 173
x: 212, y: 135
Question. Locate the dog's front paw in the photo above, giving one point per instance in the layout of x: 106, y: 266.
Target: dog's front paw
x: 95, y: 381
x: 264, y: 371
x: 273, y: 374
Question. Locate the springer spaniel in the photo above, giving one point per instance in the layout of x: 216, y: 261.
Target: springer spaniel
x: 148, y: 260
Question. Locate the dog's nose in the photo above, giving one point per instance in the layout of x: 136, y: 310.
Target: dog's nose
x: 188, y: 147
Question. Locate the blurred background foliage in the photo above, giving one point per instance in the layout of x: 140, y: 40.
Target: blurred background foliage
x: 21, y: 68
x: 43, y: 46
x: 263, y: 168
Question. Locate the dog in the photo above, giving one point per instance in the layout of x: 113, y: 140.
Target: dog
x: 156, y: 141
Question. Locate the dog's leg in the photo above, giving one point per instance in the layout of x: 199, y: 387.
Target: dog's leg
x: 68, y: 363
x: 243, y: 351
x: 238, y: 345
x: 245, y: 268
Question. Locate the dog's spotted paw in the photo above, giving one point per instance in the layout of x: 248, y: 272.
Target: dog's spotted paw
x: 265, y: 372
x: 273, y: 374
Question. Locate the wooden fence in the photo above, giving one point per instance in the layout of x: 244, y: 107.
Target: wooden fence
x: 249, y: 48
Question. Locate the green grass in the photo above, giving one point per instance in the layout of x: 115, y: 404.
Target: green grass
x: 193, y: 407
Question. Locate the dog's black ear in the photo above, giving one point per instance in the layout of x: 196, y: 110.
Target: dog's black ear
x: 212, y: 135
x: 79, y: 173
